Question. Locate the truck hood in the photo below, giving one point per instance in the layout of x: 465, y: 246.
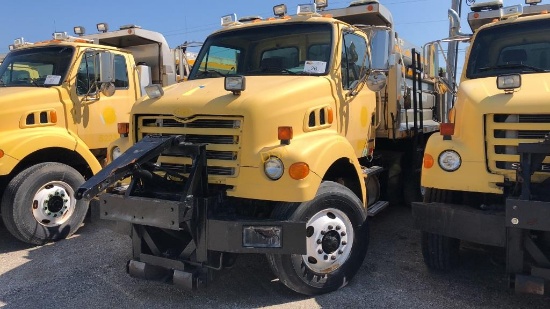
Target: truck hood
x: 18, y: 102
x: 482, y: 94
x: 263, y: 95
x: 8, y: 94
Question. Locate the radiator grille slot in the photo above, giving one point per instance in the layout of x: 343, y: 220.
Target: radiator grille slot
x: 505, y: 131
x: 221, y: 134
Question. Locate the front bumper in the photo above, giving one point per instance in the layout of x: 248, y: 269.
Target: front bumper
x: 461, y: 222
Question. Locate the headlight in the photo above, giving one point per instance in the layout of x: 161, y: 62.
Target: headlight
x: 449, y: 160
x: 116, y: 153
x: 274, y: 168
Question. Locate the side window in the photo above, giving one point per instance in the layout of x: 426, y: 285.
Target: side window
x: 86, y: 77
x: 121, y: 72
x: 355, y: 60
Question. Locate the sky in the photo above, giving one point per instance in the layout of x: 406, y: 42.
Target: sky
x: 417, y: 21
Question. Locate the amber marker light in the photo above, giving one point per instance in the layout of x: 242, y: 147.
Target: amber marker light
x: 447, y: 129
x: 53, y: 116
x: 330, y: 115
x: 370, y: 8
x: 298, y: 170
x: 1, y: 153
x: 284, y: 134
x: 428, y: 161
x: 123, y: 128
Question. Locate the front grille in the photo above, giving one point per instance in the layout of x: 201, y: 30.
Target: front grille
x: 221, y: 134
x: 505, y: 131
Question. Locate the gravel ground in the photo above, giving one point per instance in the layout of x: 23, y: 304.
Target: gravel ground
x: 88, y: 271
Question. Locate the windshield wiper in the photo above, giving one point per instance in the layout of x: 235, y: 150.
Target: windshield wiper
x: 512, y: 66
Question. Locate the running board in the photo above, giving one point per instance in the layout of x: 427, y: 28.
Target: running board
x: 377, y: 207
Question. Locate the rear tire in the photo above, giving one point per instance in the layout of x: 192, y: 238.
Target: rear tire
x: 440, y: 252
x: 336, y: 240
x: 39, y: 206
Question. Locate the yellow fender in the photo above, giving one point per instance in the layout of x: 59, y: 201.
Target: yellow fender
x: 318, y: 149
x: 21, y: 143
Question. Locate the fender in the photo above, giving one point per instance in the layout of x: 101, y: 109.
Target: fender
x: 471, y: 176
x: 318, y: 149
x: 21, y: 143
x: 123, y: 143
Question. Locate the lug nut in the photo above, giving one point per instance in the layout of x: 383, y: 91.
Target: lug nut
x: 330, y: 227
x: 338, y: 227
x: 340, y: 251
x: 319, y: 241
x: 325, y: 257
x: 323, y: 232
x: 343, y: 233
x: 320, y: 251
x: 344, y: 242
x: 332, y: 257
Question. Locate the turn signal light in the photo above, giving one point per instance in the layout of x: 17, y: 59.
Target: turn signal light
x: 1, y: 153
x: 123, y: 128
x: 428, y: 161
x: 298, y: 170
x: 284, y: 134
x: 447, y: 129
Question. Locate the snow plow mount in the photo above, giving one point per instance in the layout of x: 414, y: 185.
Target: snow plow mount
x: 179, y: 233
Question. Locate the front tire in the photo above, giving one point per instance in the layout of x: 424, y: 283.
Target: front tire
x: 440, y: 252
x: 336, y: 240
x: 39, y: 205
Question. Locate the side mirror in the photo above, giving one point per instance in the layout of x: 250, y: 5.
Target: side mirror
x: 106, y: 67
x: 376, y: 81
x: 107, y: 89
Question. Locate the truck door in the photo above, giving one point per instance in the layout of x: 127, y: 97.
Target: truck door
x: 358, y: 108
x: 97, y: 115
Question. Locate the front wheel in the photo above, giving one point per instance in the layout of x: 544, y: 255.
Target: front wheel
x: 440, y: 252
x: 39, y: 204
x: 336, y: 240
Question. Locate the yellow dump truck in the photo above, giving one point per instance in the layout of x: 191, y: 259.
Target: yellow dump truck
x: 269, y: 147
x: 61, y: 102
x: 487, y: 175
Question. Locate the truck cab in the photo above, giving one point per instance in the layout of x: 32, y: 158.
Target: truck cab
x: 266, y: 148
x: 487, y: 177
x: 62, y: 100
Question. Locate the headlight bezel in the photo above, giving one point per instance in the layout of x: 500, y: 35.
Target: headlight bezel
x: 274, y: 168
x: 449, y: 154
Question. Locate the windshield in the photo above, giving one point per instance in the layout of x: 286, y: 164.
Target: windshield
x: 289, y: 49
x: 41, y: 66
x: 510, y: 48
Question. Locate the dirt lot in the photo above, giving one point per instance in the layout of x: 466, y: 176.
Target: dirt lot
x: 87, y: 271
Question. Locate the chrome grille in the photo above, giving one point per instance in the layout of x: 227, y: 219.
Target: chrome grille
x: 505, y: 131
x: 221, y: 134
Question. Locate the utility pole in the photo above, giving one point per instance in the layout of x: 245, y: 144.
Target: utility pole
x: 452, y: 54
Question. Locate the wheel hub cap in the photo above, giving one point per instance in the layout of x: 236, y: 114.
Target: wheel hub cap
x: 329, y: 240
x: 53, y: 203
